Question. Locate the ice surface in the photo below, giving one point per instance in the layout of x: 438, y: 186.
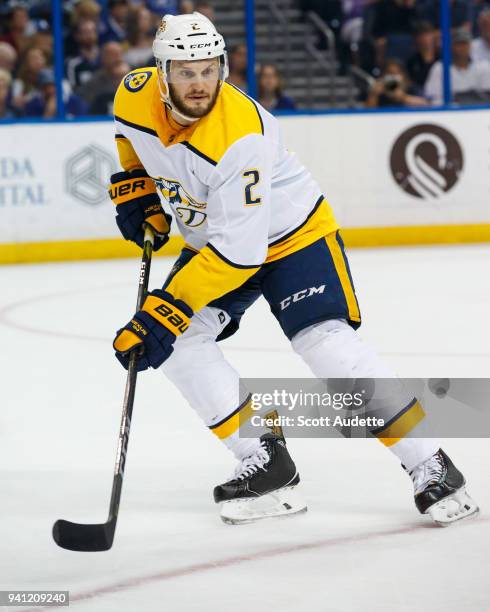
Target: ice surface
x: 361, y: 547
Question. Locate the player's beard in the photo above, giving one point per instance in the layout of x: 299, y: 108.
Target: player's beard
x: 189, y: 111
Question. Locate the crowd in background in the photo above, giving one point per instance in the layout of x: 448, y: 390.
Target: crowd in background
x: 395, y: 43
x: 102, y: 42
x: 398, y: 44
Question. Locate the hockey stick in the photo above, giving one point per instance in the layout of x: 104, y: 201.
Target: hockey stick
x: 97, y: 537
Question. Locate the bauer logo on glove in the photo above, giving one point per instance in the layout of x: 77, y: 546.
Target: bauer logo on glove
x: 137, y: 203
x: 166, y: 313
x: 154, y: 329
x: 127, y: 190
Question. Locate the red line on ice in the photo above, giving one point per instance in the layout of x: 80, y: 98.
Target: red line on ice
x: 237, y: 560
x: 8, y: 309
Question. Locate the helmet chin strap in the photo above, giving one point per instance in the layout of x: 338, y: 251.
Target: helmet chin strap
x: 167, y: 100
x: 170, y: 105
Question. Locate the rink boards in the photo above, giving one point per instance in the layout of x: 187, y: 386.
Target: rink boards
x: 392, y: 178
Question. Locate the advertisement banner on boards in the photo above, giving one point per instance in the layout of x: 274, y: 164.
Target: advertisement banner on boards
x: 414, y: 168
x: 53, y: 182
x: 377, y: 170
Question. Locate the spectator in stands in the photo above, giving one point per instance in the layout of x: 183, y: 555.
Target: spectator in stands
x: 81, y: 68
x: 103, y: 103
x: 206, y: 9
x: 102, y: 82
x: 8, y: 57
x: 84, y: 10
x: 270, y: 89
x: 43, y: 103
x: 170, y: 7
x: 392, y: 26
x: 45, y: 41
x: 6, y: 111
x: 477, y: 6
x: 352, y: 27
x: 469, y: 80
x: 17, y: 28
x: 140, y: 37
x: 158, y: 8
x: 39, y: 10
x: 330, y: 12
x: 163, y: 7
x: 238, y: 67
x: 367, y: 43
x: 113, y: 27
x: 393, y: 89
x: 186, y: 7
x: 419, y: 64
x: 24, y: 86
x: 480, y: 47
x: 460, y: 11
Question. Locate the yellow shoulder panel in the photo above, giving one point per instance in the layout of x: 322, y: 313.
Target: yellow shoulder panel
x: 234, y: 116
x: 128, y: 158
x: 133, y: 100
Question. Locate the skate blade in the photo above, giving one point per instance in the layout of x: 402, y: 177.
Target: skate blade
x: 278, y: 504
x: 453, y: 508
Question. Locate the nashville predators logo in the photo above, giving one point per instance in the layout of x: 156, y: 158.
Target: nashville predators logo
x: 136, y: 80
x: 190, y: 210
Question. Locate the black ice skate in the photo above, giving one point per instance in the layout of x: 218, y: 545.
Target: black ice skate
x: 440, y: 490
x: 264, y: 485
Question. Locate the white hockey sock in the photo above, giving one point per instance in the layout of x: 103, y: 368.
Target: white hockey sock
x: 332, y: 349
x: 211, y: 385
x: 412, y: 451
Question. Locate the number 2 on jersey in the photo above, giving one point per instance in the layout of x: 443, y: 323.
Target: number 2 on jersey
x: 253, y: 177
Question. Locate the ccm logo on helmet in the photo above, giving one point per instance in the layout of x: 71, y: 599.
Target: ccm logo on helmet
x: 201, y: 46
x: 301, y: 295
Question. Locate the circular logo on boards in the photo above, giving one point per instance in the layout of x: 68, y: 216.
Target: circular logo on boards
x: 426, y: 161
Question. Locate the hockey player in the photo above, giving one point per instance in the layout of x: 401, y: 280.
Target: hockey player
x: 255, y: 223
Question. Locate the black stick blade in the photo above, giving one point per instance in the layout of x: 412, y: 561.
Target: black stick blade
x: 84, y: 538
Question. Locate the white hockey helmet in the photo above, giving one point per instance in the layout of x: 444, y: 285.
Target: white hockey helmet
x: 187, y: 38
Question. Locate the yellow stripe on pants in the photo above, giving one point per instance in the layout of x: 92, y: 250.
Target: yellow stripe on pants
x: 343, y: 274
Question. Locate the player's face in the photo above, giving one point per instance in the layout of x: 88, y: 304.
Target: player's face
x: 194, y: 86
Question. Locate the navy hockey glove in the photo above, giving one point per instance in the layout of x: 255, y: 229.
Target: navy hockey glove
x: 153, y: 329
x: 137, y: 203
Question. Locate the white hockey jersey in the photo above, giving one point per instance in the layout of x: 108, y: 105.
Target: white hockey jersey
x: 239, y: 197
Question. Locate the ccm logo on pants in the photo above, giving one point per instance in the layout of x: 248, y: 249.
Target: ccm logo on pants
x: 301, y: 295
